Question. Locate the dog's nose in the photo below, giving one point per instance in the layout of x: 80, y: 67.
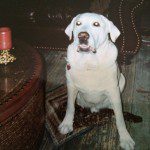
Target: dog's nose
x: 83, y: 37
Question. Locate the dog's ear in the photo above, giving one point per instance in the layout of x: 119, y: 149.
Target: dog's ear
x: 70, y: 27
x: 114, y: 31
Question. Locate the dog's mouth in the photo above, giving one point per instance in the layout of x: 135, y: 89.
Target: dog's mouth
x: 85, y: 48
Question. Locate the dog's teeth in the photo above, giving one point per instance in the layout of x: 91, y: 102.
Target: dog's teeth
x: 86, y: 48
x: 83, y: 46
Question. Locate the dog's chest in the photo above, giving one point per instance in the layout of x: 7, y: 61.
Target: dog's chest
x: 89, y: 72
x: 89, y: 79
x: 86, y: 62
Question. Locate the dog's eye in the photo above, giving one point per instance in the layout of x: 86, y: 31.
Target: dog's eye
x: 78, y: 23
x: 96, y: 24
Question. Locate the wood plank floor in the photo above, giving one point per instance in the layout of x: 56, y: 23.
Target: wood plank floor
x: 136, y: 96
x: 136, y: 99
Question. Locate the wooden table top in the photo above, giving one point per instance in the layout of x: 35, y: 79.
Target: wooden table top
x: 17, y: 78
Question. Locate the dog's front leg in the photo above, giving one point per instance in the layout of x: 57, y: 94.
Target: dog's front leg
x: 67, y: 124
x: 126, y: 142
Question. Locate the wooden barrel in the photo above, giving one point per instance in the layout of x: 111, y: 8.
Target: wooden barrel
x: 22, y: 100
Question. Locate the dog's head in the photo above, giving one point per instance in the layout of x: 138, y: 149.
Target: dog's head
x: 91, y: 30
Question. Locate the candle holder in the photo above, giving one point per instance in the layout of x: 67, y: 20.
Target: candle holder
x: 6, y: 57
x: 5, y: 46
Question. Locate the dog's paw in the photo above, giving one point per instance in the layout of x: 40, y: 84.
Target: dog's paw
x: 127, y: 143
x: 94, y: 110
x: 65, y: 128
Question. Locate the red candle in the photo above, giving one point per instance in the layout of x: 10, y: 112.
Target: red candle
x: 5, y: 38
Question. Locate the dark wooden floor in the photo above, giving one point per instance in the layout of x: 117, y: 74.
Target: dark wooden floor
x: 136, y: 96
x: 136, y: 99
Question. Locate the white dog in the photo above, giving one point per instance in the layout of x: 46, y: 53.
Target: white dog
x: 92, y: 73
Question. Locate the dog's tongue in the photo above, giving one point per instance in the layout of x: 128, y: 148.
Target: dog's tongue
x: 83, y: 46
x: 86, y: 48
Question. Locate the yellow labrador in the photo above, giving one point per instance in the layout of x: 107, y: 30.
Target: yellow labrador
x: 93, y: 77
